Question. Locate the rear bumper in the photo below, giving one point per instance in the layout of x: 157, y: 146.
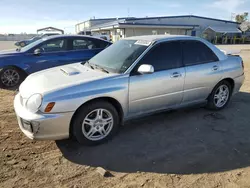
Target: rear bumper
x: 238, y: 82
x: 39, y: 126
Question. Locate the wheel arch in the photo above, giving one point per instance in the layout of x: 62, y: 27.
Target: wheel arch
x: 111, y: 100
x: 229, y: 80
x: 17, y: 67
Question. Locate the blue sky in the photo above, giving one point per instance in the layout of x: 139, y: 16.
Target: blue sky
x: 18, y: 16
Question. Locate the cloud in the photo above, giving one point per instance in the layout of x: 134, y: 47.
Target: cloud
x: 227, y: 5
x: 67, y: 25
x: 164, y: 3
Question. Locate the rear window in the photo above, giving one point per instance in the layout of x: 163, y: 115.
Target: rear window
x: 101, y: 43
x: 195, y: 52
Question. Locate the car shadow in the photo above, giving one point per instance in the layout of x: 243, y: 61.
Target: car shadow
x: 185, y: 141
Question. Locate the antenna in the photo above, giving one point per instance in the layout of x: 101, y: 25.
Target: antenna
x: 128, y: 12
x: 233, y: 16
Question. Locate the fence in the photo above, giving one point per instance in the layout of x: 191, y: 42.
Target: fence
x: 16, y: 37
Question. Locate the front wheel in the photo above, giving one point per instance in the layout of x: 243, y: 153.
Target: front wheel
x: 95, y: 123
x: 220, y: 96
x: 11, y: 77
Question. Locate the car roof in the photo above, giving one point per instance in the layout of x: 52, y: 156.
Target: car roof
x: 153, y: 38
x: 69, y: 36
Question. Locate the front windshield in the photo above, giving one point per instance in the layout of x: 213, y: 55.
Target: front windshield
x: 119, y: 56
x: 31, y: 45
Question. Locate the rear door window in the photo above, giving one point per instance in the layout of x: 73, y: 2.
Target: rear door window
x: 88, y: 44
x: 196, y: 52
x: 83, y: 44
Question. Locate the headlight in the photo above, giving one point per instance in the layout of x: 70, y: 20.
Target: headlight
x: 34, y: 102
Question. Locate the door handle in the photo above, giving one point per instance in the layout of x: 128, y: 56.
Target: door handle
x: 215, y: 68
x: 175, y: 75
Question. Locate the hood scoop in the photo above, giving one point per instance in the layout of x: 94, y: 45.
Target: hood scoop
x: 70, y: 71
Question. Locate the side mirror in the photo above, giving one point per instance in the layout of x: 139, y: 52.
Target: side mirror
x: 37, y: 52
x: 145, y: 69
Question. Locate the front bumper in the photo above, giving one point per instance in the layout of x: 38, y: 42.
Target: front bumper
x: 40, y: 126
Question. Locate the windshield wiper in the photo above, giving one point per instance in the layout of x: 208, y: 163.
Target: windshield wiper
x: 94, y: 66
x: 101, y: 68
x: 18, y: 49
x: 87, y: 63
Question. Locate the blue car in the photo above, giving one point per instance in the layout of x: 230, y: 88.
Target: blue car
x: 46, y: 53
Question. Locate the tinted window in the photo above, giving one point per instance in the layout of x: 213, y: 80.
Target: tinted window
x: 195, y: 52
x: 54, y: 45
x: 164, y: 56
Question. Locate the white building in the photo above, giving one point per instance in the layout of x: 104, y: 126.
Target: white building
x: 180, y: 25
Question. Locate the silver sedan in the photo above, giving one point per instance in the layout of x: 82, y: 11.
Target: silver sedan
x: 131, y: 78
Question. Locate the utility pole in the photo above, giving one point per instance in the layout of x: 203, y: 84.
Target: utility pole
x: 233, y: 15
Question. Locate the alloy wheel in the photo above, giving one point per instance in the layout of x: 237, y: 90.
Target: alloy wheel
x: 10, y: 77
x: 221, y: 96
x: 97, y: 124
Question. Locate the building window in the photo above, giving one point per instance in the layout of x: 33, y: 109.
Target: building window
x: 154, y: 32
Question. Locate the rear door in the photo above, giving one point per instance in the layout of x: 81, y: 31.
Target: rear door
x: 84, y: 48
x: 203, y: 70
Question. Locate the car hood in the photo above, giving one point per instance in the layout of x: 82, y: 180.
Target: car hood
x: 58, y: 78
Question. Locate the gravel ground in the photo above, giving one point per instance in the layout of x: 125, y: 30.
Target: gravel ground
x: 190, y: 147
x: 6, y: 45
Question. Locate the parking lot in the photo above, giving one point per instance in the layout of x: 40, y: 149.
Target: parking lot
x: 190, y: 147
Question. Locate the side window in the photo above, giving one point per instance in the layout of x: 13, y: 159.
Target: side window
x: 164, y: 56
x: 195, y: 52
x: 83, y: 44
x: 53, y: 45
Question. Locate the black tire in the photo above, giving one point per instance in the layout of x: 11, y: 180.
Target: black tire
x: 77, y: 122
x: 211, y: 102
x: 21, y: 76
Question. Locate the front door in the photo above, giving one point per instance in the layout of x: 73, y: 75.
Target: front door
x: 53, y: 53
x: 161, y: 89
x: 203, y: 71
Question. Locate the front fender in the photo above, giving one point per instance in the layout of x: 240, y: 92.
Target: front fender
x: 71, y: 99
x: 13, y: 61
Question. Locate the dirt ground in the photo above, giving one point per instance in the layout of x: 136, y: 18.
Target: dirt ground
x: 186, y: 148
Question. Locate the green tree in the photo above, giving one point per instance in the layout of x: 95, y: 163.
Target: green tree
x: 240, y: 18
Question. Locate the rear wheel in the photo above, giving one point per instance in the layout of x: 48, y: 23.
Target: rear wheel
x: 95, y: 123
x: 220, y: 96
x: 11, y: 77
